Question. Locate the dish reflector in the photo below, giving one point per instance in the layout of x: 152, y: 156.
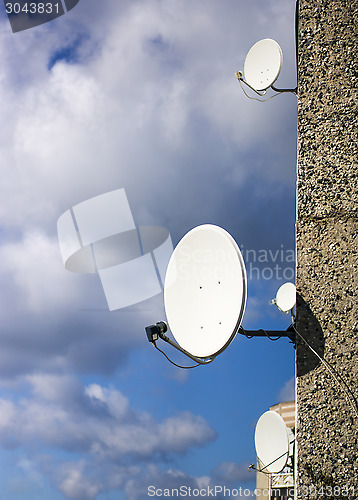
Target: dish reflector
x: 286, y: 297
x: 263, y: 64
x: 205, y: 291
x: 272, y: 442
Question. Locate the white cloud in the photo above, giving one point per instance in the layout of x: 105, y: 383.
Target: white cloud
x: 151, y: 105
x: 30, y: 470
x: 74, y: 484
x: 287, y: 393
x: 158, y: 479
x: 96, y: 420
x: 53, y: 319
x: 61, y: 415
x: 122, y: 115
x: 7, y: 419
x: 117, y: 404
x: 229, y: 476
x: 34, y: 267
x: 231, y: 472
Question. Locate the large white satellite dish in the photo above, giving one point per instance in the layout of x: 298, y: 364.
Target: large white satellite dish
x: 272, y: 442
x: 205, y: 291
x: 286, y: 297
x: 263, y: 64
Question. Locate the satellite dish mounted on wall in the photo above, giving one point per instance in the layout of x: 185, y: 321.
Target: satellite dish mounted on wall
x: 205, y: 296
x: 272, y: 442
x: 205, y: 291
x: 285, y: 297
x: 263, y: 64
x: 262, y: 67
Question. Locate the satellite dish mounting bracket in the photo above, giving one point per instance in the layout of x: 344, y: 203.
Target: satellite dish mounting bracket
x: 154, y: 332
x: 289, y: 333
x: 293, y: 91
x: 240, y: 77
x: 158, y: 331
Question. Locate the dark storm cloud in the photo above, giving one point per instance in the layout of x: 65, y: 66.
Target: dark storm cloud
x: 149, y: 103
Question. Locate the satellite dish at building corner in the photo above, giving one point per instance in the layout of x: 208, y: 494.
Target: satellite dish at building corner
x: 272, y: 442
x: 205, y: 297
x: 263, y: 64
x: 205, y: 291
x: 286, y: 297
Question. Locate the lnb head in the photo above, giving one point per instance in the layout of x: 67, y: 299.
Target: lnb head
x: 155, y: 331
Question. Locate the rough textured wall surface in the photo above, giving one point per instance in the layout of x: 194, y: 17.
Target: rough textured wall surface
x: 327, y: 249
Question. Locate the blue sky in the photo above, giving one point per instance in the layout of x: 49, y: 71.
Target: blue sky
x: 138, y: 95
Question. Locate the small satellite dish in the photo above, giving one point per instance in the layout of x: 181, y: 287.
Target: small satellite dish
x: 272, y: 442
x: 205, y: 291
x: 286, y: 297
x: 263, y: 64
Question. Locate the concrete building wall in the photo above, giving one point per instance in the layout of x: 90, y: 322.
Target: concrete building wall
x: 327, y: 248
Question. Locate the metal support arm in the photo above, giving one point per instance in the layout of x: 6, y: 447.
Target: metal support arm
x: 158, y: 330
x: 293, y: 91
x: 154, y: 332
x: 240, y: 78
x: 289, y: 333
